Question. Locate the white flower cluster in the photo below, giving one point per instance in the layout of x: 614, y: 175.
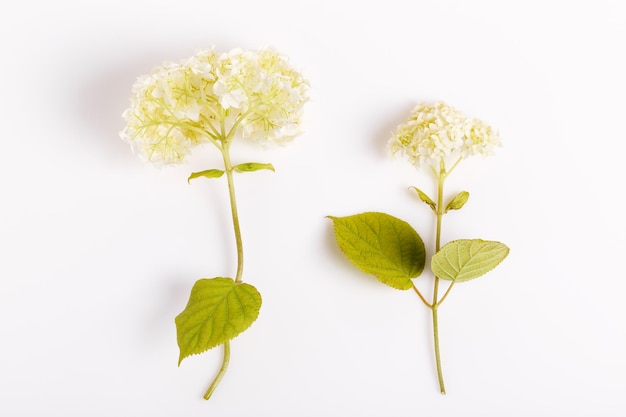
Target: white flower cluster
x: 439, y: 132
x: 214, y: 97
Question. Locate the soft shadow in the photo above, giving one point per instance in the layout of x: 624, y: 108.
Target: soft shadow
x: 103, y: 98
x: 100, y: 100
x: 167, y: 303
x: 382, y: 134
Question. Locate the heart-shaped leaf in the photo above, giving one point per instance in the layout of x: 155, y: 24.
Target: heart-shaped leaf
x: 218, y: 310
x: 382, y: 245
x: 466, y: 259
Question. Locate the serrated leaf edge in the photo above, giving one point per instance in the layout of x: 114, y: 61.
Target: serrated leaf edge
x: 505, y: 248
x: 407, y: 284
x: 247, y: 286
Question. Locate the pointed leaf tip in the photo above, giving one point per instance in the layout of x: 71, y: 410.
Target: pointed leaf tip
x: 424, y: 197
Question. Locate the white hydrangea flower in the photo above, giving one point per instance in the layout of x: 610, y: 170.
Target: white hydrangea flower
x: 214, y: 97
x: 440, y: 132
x: 265, y: 88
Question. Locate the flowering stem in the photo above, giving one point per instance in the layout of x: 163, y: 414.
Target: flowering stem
x: 442, y: 387
x: 440, y: 180
x: 228, y: 167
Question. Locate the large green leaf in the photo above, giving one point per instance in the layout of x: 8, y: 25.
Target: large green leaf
x: 382, y: 245
x: 465, y: 259
x: 218, y: 310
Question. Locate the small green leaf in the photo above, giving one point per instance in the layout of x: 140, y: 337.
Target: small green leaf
x: 457, y: 202
x: 218, y: 310
x: 209, y: 173
x: 252, y: 166
x: 382, y: 245
x: 465, y: 259
x: 422, y: 195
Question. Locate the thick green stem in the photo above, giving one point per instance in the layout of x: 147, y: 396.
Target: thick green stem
x: 221, y: 372
x: 442, y: 386
x: 435, y: 302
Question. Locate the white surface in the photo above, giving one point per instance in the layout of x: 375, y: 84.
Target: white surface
x: 99, y: 250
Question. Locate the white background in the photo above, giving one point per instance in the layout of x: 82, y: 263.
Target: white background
x: 99, y: 250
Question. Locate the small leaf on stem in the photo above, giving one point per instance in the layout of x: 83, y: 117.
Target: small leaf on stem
x: 209, y: 173
x: 457, y: 202
x: 252, y: 166
x: 466, y: 259
x: 218, y: 310
x: 382, y: 245
x: 422, y: 195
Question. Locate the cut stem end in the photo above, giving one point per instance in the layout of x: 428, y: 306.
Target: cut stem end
x: 222, y: 371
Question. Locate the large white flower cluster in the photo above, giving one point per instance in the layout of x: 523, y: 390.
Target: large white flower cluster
x: 214, y: 97
x: 438, y: 132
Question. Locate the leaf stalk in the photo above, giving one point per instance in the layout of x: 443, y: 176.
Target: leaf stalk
x: 228, y: 168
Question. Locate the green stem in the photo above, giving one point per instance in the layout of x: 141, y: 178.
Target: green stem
x: 221, y: 372
x: 442, y: 387
x: 435, y: 304
x: 228, y: 167
x: 233, y: 206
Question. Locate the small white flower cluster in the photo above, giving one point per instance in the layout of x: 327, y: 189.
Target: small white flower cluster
x: 439, y: 132
x: 214, y: 97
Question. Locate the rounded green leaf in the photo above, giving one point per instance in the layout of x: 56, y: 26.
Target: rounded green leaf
x: 381, y: 245
x: 465, y: 259
x: 218, y: 310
